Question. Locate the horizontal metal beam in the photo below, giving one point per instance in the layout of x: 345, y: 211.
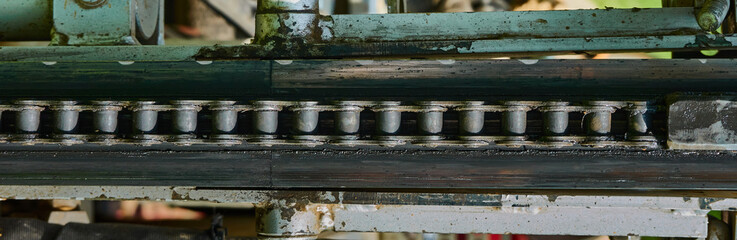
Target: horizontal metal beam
x: 512, y: 25
x: 440, y: 49
x: 367, y: 79
x: 721, y: 201
x: 522, y: 220
x: 351, y: 169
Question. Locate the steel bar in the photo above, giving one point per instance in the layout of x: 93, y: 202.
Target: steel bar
x: 656, y: 200
x: 491, y: 47
x: 513, y: 24
x: 712, y: 13
x: 250, y: 80
x: 340, y: 169
x: 543, y: 221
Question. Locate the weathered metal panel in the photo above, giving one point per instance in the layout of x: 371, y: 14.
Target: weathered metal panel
x: 703, y: 123
x: 522, y: 220
x: 513, y: 24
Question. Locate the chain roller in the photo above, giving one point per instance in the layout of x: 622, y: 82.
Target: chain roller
x: 306, y: 118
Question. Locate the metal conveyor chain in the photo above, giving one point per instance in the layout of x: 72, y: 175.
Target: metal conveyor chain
x: 463, y: 124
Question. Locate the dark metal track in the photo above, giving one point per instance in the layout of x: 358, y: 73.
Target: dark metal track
x: 364, y: 80
x: 352, y: 169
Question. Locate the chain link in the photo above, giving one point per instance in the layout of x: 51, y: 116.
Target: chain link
x: 347, y: 119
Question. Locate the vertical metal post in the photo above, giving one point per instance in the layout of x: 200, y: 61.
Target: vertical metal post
x: 640, y: 122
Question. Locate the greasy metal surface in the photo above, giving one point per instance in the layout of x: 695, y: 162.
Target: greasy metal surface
x: 26, y: 20
x: 702, y: 123
x: 512, y: 24
x: 366, y: 169
x: 364, y: 80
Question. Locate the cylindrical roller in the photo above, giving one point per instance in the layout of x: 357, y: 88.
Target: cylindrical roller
x: 712, y: 14
x: 430, y: 118
x: 144, y: 117
x: 471, y: 120
x: 599, y: 123
x: 224, y: 117
x: 555, y: 118
x: 347, y: 119
x: 555, y: 123
x: 266, y: 118
x: 639, y: 120
x: 430, y: 123
x: 184, y: 117
x: 514, y: 123
x: 28, y: 118
x: 599, y: 118
x: 66, y: 117
x: 388, y: 118
x: 105, y: 116
x: 306, y: 118
x: 388, y: 122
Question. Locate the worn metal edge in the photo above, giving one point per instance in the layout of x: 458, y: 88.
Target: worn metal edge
x: 465, y: 48
x: 184, y: 193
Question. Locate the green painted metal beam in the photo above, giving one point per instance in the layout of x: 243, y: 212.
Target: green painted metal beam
x: 527, y: 24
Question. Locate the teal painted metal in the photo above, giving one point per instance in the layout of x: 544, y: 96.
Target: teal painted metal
x: 25, y: 20
x: 501, y: 25
x: 81, y: 23
x: 441, y: 49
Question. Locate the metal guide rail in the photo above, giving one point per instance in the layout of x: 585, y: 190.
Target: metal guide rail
x: 383, y: 122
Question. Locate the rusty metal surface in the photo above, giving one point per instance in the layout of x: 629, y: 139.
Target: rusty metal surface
x: 702, y: 122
